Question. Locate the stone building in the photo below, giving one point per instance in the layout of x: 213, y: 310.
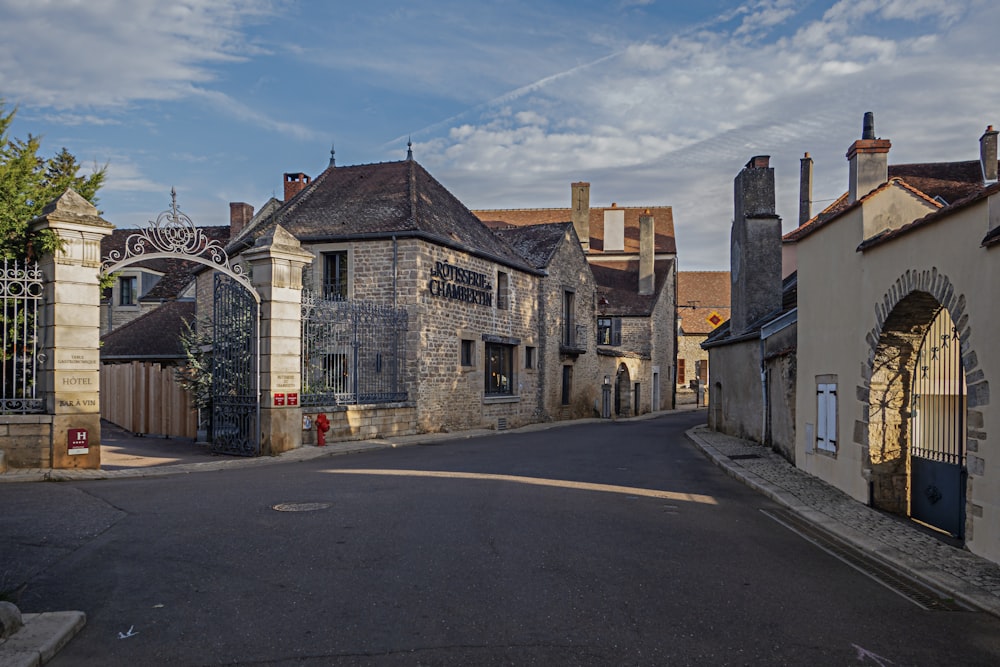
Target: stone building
x: 632, y: 255
x: 896, y: 316
x: 702, y: 305
x: 499, y: 327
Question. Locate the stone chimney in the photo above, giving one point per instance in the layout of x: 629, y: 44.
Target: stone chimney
x: 647, y: 242
x: 805, y: 189
x: 755, y: 246
x: 988, y: 154
x: 294, y: 184
x: 580, y: 194
x: 240, y: 215
x: 868, y: 158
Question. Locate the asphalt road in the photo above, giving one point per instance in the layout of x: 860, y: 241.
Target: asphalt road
x: 606, y: 544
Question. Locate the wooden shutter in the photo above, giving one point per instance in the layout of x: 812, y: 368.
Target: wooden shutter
x: 680, y: 371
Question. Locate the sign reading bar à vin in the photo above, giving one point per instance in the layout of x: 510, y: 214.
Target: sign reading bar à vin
x: 452, y: 282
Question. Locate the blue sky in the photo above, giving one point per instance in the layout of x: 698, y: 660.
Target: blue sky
x: 507, y: 102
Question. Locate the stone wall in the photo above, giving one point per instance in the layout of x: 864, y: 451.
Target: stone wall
x: 26, y: 440
x: 364, y: 422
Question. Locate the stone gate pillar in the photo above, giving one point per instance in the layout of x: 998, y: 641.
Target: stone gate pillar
x: 70, y: 334
x: 277, y: 261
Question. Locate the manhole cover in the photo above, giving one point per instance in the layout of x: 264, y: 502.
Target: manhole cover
x: 300, y: 507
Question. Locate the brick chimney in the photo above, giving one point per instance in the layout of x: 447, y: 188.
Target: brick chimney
x: 755, y: 246
x: 988, y: 154
x: 868, y: 158
x: 580, y: 194
x: 294, y: 184
x: 240, y: 215
x: 647, y: 236
x: 805, y: 189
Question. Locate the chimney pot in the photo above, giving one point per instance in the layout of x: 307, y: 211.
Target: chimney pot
x: 988, y: 155
x: 295, y: 183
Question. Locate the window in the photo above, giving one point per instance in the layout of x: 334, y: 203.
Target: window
x: 826, y: 416
x: 468, y: 352
x: 335, y: 275
x: 126, y: 291
x: 609, y: 331
x: 680, y: 371
x: 499, y: 369
x: 529, y: 357
x: 503, y: 290
x: 567, y: 384
x: 569, y: 319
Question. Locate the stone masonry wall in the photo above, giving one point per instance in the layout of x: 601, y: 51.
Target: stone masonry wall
x: 25, y: 441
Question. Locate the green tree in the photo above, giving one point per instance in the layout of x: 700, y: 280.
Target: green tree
x: 28, y: 183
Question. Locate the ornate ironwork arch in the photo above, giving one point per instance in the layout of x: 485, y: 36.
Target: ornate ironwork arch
x: 173, y: 235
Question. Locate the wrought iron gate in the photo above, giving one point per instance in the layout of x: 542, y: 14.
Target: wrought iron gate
x: 937, y: 428
x: 235, y: 404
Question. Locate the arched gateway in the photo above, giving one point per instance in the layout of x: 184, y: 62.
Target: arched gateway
x: 236, y: 323
x: 918, y: 402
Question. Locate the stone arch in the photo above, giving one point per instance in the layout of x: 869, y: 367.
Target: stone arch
x: 902, y: 317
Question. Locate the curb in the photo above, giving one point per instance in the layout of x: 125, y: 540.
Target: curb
x: 928, y: 575
x: 40, y: 638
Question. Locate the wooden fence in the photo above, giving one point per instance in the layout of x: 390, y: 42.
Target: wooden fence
x: 144, y: 397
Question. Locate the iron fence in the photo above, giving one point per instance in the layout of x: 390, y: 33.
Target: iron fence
x: 353, y: 352
x: 21, y: 290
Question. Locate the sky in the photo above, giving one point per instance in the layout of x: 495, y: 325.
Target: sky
x: 652, y: 102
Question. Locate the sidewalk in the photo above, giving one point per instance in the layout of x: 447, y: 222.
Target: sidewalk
x: 904, y: 547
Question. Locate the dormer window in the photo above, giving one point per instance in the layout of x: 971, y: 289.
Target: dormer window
x: 127, y: 293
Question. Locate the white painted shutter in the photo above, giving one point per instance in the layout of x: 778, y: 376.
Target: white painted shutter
x: 821, y: 416
x: 826, y: 417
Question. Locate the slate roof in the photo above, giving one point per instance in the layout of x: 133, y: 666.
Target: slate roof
x: 700, y: 295
x: 380, y: 201
x: 663, y: 218
x: 537, y: 244
x: 618, y: 287
x: 177, y: 273
x: 951, y: 181
x: 153, y: 335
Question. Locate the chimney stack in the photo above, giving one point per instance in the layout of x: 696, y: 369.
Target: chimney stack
x: 240, y: 215
x: 868, y: 158
x: 805, y: 189
x: 580, y: 194
x: 294, y: 184
x: 988, y: 154
x: 647, y: 236
x: 755, y: 246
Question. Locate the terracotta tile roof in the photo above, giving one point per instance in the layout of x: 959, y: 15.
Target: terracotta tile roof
x: 618, y: 287
x: 951, y: 181
x: 663, y: 217
x: 154, y: 335
x: 537, y: 244
x: 177, y: 273
x: 379, y: 201
x: 789, y: 301
x: 702, y: 297
x: 991, y: 238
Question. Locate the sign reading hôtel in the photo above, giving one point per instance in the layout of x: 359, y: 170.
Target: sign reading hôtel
x: 451, y: 282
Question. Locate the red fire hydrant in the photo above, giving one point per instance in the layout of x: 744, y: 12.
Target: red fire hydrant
x: 322, y: 426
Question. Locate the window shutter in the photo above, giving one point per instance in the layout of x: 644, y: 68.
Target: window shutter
x: 821, y: 416
x: 826, y: 417
x: 616, y: 331
x: 680, y: 371
x: 831, y: 416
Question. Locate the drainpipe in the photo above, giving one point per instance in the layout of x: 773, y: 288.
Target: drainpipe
x: 763, y: 392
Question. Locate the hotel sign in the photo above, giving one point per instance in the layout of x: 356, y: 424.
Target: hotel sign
x: 451, y: 282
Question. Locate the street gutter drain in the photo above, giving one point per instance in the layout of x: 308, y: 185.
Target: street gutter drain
x: 740, y: 457
x: 916, y: 592
x: 300, y: 507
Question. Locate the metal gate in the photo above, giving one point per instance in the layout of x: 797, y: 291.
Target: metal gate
x: 235, y: 405
x: 937, y: 428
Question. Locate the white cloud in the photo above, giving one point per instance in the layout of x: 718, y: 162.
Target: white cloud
x: 673, y: 121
